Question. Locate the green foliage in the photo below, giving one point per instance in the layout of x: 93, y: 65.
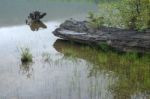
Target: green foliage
x: 111, y: 15
x: 135, y: 14
x: 104, y: 47
x: 131, y: 14
x: 95, y: 21
x: 26, y: 56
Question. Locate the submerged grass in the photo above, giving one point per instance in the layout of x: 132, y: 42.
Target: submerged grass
x: 132, y: 69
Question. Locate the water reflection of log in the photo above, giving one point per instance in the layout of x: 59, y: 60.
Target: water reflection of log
x: 63, y: 46
x: 36, y: 25
x: 60, y: 45
x: 110, y: 63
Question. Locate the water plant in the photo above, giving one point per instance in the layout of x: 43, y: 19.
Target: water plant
x: 95, y: 21
x: 47, y: 57
x: 104, y: 46
x: 26, y: 55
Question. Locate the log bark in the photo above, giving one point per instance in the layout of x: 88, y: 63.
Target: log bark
x: 119, y: 39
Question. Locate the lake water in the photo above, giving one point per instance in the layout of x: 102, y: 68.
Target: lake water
x: 15, y: 12
x: 54, y: 73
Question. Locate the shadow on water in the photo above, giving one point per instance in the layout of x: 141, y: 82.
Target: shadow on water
x: 133, y: 72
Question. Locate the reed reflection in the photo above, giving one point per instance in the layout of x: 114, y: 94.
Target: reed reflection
x: 26, y: 69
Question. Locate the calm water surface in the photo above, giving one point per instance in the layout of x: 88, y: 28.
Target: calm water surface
x: 52, y: 75
x: 15, y: 12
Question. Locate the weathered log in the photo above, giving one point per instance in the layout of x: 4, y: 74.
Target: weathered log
x: 120, y: 39
x: 34, y: 20
x: 36, y: 15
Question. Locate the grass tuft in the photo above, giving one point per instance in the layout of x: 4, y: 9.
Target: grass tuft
x: 26, y: 55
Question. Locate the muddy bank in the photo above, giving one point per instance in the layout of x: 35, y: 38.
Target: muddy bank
x: 119, y: 39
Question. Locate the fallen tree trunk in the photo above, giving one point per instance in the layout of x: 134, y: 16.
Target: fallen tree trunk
x: 119, y: 39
